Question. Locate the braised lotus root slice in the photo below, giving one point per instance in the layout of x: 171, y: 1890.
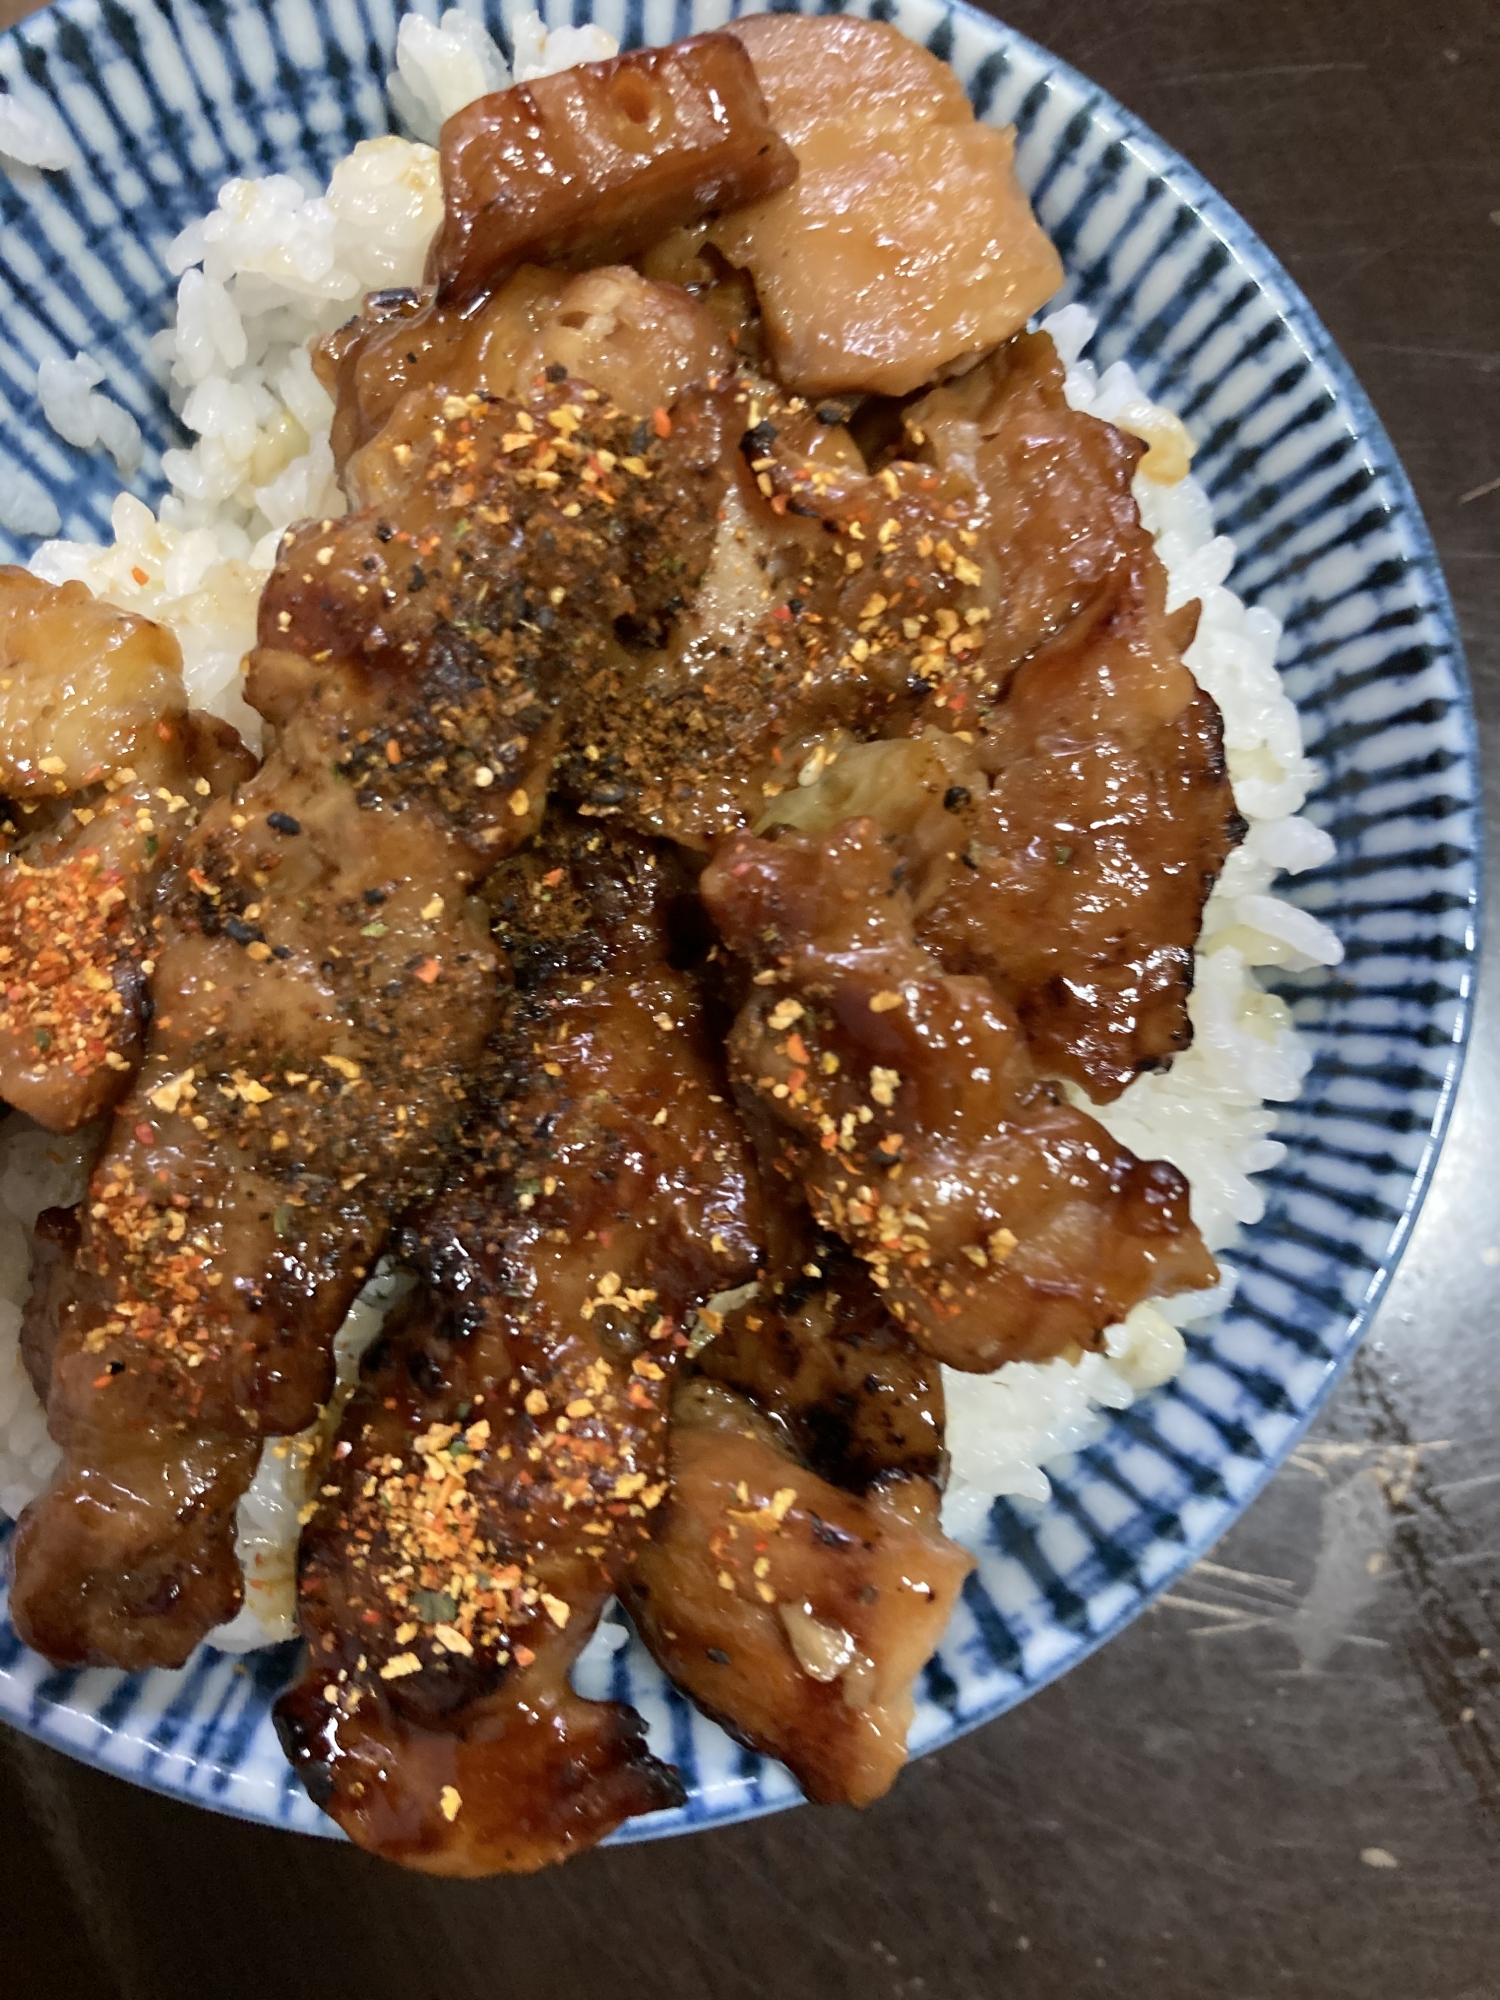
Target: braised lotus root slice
x: 595, y: 163
x: 106, y: 770
x: 793, y: 1613
x: 999, y: 1222
x: 906, y: 244
x: 640, y: 344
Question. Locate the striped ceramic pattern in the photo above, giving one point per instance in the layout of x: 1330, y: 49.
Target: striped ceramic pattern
x: 165, y: 100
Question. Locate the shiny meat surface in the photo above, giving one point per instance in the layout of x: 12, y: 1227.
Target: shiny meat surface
x: 639, y: 343
x: 906, y: 242
x: 1064, y: 844
x: 82, y: 689
x: 1053, y: 496
x: 832, y: 602
x: 822, y: 1356
x: 592, y: 165
x: 106, y: 771
x: 583, y: 898
x: 501, y: 1464
x: 1077, y: 881
x: 999, y: 1222
x: 330, y: 987
x: 434, y: 1721
x: 795, y: 1614
x: 58, y: 1288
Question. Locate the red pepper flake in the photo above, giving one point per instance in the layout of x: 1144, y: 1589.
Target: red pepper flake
x: 140, y: 576
x: 392, y: 751
x: 783, y: 614
x: 661, y: 423
x: 428, y: 970
x: 146, y: 1134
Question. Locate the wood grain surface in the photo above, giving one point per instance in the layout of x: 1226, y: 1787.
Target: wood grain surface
x: 1284, y: 1780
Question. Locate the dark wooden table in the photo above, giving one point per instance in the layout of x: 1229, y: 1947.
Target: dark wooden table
x: 1284, y: 1780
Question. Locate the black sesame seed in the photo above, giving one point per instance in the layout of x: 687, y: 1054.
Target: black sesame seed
x: 759, y: 440
x: 717, y: 1654
x: 374, y: 897
x: 956, y: 798
x: 241, y: 932
x: 280, y: 822
x: 557, y: 372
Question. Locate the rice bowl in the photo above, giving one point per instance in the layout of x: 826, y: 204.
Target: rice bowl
x: 252, y: 471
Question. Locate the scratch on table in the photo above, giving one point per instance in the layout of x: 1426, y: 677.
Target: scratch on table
x: 1364, y: 1486
x: 1416, y: 350
x: 1297, y: 70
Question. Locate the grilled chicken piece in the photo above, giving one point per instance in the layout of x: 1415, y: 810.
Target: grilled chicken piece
x: 1056, y: 515
x: 593, y: 164
x: 833, y: 601
x: 906, y: 243
x: 324, y: 990
x: 1064, y: 844
x: 584, y: 898
x: 795, y: 1614
x: 999, y: 1222
x: 822, y: 1356
x: 815, y: 1349
x: 641, y: 344
x: 106, y: 770
x: 501, y: 1464
x: 1076, y: 882
x: 57, y: 1289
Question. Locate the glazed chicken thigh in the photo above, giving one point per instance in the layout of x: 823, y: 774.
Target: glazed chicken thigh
x: 331, y: 987
x: 500, y: 1466
x: 106, y: 771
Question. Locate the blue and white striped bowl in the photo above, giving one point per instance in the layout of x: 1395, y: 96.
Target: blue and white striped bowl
x: 165, y: 103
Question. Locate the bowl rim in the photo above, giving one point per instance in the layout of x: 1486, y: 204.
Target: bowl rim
x: 1290, y: 305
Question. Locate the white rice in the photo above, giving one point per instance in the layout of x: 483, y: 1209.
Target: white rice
x: 32, y: 135
x: 74, y: 408
x: 275, y: 264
